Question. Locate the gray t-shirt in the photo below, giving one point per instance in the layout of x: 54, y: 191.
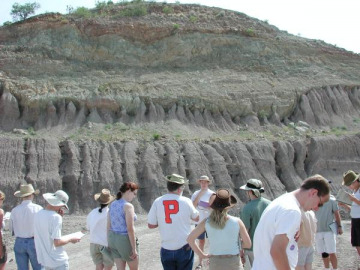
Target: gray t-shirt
x: 325, y: 215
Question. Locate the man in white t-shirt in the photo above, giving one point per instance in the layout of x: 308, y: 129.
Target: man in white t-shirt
x: 275, y: 245
x: 173, y: 213
x: 47, y: 233
x: 200, y: 200
x: 22, y: 226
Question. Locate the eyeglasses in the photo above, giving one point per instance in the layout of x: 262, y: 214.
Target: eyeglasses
x: 320, y: 204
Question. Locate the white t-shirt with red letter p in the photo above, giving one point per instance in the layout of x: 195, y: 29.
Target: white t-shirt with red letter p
x: 173, y: 214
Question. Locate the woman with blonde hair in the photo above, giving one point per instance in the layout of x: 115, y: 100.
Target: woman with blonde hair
x: 121, y: 229
x: 3, y: 255
x: 226, y: 234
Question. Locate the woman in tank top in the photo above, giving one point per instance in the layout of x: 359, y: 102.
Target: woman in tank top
x: 121, y: 237
x: 226, y: 234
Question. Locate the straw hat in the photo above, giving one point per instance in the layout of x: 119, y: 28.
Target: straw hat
x: 204, y: 177
x: 178, y: 179
x: 59, y: 198
x: 104, y: 197
x: 26, y: 190
x: 223, y: 199
x: 349, y: 177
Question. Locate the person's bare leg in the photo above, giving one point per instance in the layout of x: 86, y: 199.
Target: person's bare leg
x: 300, y: 268
x: 333, y: 260
x: 326, y: 262
x: 120, y: 264
x: 99, y: 266
x: 308, y: 266
x: 134, y: 265
x: 108, y: 267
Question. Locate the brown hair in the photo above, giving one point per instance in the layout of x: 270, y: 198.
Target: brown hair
x: 317, y: 182
x: 125, y: 187
x: 2, y: 195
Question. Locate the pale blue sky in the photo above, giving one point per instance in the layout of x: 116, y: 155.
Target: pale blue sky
x: 333, y: 21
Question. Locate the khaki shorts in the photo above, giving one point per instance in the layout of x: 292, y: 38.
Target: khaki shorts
x: 306, y: 255
x: 99, y: 256
x: 231, y: 263
x: 120, y: 246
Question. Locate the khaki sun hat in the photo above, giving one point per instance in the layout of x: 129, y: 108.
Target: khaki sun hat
x: 59, y: 198
x: 104, y: 197
x: 204, y: 177
x: 255, y: 185
x: 178, y: 179
x: 26, y: 190
x: 222, y: 199
x: 349, y: 177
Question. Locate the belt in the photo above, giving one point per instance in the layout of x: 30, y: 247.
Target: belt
x: 25, y: 237
x: 225, y: 256
x: 185, y: 247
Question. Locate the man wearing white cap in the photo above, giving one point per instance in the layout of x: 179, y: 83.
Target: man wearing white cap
x: 173, y: 213
x: 200, y: 200
x: 47, y: 227
x: 22, y: 226
x: 252, y: 211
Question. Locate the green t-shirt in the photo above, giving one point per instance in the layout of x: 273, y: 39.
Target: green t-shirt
x: 251, y: 214
x: 325, y: 215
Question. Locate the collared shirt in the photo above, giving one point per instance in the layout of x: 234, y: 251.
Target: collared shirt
x: 22, y: 219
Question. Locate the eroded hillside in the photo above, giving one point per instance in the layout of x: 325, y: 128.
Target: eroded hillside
x: 115, y: 97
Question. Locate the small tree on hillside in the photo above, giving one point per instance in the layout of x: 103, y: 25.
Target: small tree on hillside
x: 21, y: 12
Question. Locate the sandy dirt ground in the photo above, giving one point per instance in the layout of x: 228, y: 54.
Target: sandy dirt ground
x: 150, y: 246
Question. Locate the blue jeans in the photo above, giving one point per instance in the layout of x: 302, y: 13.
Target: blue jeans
x: 180, y: 259
x: 24, y: 249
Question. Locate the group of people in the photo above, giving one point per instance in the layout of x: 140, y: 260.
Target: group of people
x: 39, y: 241
x: 272, y: 235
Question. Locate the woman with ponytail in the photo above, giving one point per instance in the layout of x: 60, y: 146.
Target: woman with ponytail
x: 96, y: 223
x: 226, y: 234
x: 121, y: 236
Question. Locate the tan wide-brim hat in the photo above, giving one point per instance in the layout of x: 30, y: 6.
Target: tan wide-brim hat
x: 178, y: 179
x: 204, y: 178
x: 26, y: 190
x: 104, y: 197
x: 349, y: 177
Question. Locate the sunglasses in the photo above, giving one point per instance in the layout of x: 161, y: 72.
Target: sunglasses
x: 320, y: 204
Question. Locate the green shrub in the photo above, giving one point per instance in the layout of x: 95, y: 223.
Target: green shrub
x: 156, y: 136
x: 176, y: 26
x: 193, y: 19
x: 249, y: 32
x: 262, y: 114
x: 6, y: 23
x: 168, y: 10
x: 82, y: 12
x: 134, y: 11
x: 31, y: 131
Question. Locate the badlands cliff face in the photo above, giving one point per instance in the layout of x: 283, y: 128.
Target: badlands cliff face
x: 200, y: 77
